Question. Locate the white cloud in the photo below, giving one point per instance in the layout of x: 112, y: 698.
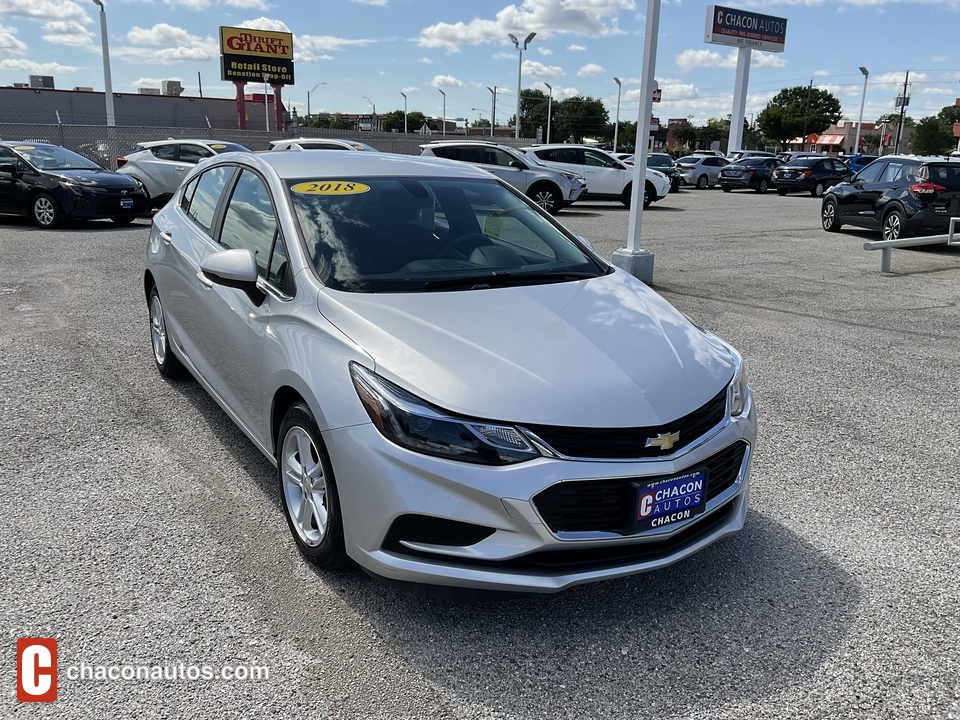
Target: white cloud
x: 593, y: 18
x: 446, y: 81
x: 160, y: 34
x: 265, y: 23
x: 45, y: 10
x: 36, y: 68
x: 576, y: 48
x: 165, y: 44
x: 532, y: 68
x: 692, y: 59
x: 190, y: 4
x: 590, y: 69
x: 249, y: 4
x: 326, y: 42
x: 9, y: 43
x: 939, y: 58
x: 894, y: 80
x: 822, y: 73
x: 938, y: 91
x: 381, y: 3
x: 67, y: 32
x: 559, y: 93
x: 425, y: 61
x: 544, y: 51
x: 411, y: 89
x: 153, y: 82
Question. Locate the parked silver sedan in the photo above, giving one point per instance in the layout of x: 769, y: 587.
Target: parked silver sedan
x: 455, y: 391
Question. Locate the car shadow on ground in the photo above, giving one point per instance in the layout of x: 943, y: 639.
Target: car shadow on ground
x: 740, y: 621
x: 72, y: 226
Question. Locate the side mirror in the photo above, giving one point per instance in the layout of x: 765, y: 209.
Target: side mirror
x: 9, y: 168
x: 235, y: 269
x: 519, y: 165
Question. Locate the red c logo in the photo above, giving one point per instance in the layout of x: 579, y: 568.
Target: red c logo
x: 36, y: 669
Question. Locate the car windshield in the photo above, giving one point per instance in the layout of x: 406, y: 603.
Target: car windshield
x: 402, y: 234
x: 228, y: 147
x: 54, y: 157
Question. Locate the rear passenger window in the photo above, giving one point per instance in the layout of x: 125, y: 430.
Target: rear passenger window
x: 203, y: 204
x: 164, y: 152
x: 892, y: 173
x: 194, y: 153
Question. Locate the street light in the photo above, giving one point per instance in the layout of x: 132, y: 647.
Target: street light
x: 493, y: 110
x: 404, y: 112
x: 310, y: 92
x: 443, y: 121
x: 107, y: 84
x: 863, y: 99
x: 549, y: 108
x: 374, y: 106
x: 482, y: 112
x: 516, y: 44
x: 616, y: 124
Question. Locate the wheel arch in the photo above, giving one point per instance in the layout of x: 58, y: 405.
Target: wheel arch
x: 550, y: 185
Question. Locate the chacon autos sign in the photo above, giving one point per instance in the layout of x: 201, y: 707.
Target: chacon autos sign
x: 248, y: 54
x: 739, y: 28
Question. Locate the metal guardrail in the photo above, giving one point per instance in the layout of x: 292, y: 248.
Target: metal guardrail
x: 887, y: 246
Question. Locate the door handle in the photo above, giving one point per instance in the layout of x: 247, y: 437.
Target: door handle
x: 166, y: 237
x: 205, y: 282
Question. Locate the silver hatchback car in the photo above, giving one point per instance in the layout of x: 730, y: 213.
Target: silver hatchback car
x: 455, y: 390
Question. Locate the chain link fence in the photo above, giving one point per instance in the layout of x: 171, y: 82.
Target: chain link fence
x: 104, y: 144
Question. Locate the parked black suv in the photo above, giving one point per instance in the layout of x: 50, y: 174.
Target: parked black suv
x: 900, y: 196
x: 814, y: 175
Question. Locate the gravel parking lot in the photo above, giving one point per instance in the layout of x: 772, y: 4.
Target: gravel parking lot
x: 140, y: 527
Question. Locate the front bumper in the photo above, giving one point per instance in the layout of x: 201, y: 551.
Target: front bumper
x: 98, y: 203
x: 499, y: 538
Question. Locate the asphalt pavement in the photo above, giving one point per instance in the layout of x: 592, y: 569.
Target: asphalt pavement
x: 139, y: 527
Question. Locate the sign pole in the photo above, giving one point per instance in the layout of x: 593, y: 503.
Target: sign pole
x: 241, y: 105
x: 735, y: 138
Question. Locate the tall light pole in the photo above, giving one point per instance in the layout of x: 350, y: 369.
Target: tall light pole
x: 516, y: 44
x: 549, y: 108
x: 482, y: 112
x: 374, y: 106
x: 616, y: 124
x: 404, y: 112
x: 309, y: 93
x: 863, y: 99
x: 107, y: 83
x: 493, y: 109
x: 443, y: 120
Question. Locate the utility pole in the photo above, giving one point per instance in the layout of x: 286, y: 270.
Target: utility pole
x: 806, y: 109
x: 903, y: 100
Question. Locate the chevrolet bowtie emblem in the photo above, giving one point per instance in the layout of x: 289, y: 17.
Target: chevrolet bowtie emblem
x: 664, y: 441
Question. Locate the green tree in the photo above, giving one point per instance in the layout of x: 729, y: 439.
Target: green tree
x: 895, y: 119
x: 533, y: 112
x: 480, y: 123
x: 416, y: 120
x: 685, y: 134
x: 393, y: 121
x: 871, y: 142
x: 932, y: 137
x: 797, y: 111
x: 949, y: 114
x: 578, y: 117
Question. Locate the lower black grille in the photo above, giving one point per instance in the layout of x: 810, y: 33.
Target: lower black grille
x: 432, y: 531
x: 629, y: 443
x: 610, y: 505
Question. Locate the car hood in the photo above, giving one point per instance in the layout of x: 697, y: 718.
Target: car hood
x: 605, y: 352
x: 97, y: 178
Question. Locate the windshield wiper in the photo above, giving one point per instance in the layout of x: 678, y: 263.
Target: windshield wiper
x: 501, y: 279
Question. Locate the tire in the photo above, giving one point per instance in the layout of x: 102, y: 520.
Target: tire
x: 818, y: 189
x: 648, y: 194
x: 892, y: 225
x: 308, y: 491
x: 703, y: 182
x: 168, y: 364
x: 830, y: 216
x: 45, y: 211
x: 123, y: 220
x: 726, y: 188
x: 675, y: 185
x: 547, y: 198
x: 781, y: 193
x: 627, y: 194
x: 763, y: 187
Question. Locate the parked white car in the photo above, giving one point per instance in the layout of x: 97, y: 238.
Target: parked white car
x: 702, y: 171
x: 320, y: 144
x: 607, y: 177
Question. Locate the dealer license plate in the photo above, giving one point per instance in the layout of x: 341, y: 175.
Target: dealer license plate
x: 670, y: 500
x: 126, y: 203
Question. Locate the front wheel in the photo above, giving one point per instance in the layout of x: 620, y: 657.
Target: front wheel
x: 46, y: 213
x: 893, y: 225
x: 627, y: 195
x: 547, y: 198
x: 818, y: 189
x: 648, y: 195
x: 781, y: 193
x: 308, y: 491
x: 703, y: 182
x: 123, y: 220
x: 167, y: 363
x: 762, y: 187
x: 830, y: 216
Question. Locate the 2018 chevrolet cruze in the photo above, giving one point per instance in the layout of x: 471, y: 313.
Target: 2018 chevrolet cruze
x: 454, y: 389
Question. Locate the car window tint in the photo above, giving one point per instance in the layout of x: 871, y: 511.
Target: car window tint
x: 187, y: 195
x: 496, y: 156
x: 249, y: 222
x: 164, y: 152
x: 463, y: 154
x: 194, y: 153
x: 209, y: 188
x: 564, y: 155
x: 892, y: 173
x: 7, y: 155
x: 871, y: 172
x: 595, y: 159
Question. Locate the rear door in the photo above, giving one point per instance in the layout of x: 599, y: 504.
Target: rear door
x: 496, y: 161
x: 608, y: 175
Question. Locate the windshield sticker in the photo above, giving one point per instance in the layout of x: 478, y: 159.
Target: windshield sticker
x: 218, y: 147
x: 24, y: 147
x: 330, y: 187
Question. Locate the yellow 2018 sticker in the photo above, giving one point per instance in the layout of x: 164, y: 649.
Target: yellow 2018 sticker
x: 218, y: 147
x: 24, y: 147
x: 330, y: 187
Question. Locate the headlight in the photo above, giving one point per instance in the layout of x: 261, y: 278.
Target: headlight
x: 737, y: 393
x: 416, y: 425
x: 659, y: 174
x: 70, y: 186
x: 573, y: 178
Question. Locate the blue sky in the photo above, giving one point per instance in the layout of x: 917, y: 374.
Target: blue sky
x: 377, y: 49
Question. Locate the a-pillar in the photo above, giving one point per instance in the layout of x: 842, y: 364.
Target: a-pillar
x: 241, y: 104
